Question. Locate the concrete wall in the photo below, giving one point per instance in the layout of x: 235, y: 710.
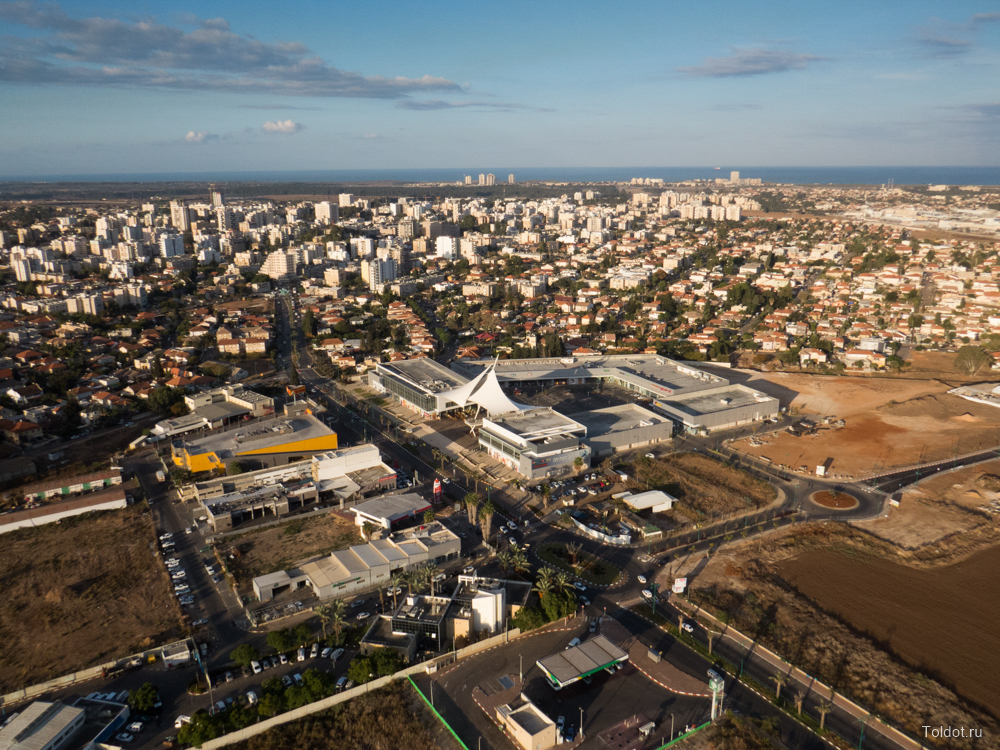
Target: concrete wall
x: 354, y: 692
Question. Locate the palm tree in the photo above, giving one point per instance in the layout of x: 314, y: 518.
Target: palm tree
x: 799, y: 700
x: 546, y: 495
x: 408, y: 579
x: 427, y: 573
x: 486, y: 512
x: 504, y: 560
x: 396, y: 581
x: 337, y: 616
x: 323, y: 611
x: 367, y: 529
x: 824, y: 708
x: 561, y: 582
x: 545, y: 584
x: 519, y: 560
x: 472, y: 501
x: 779, y: 680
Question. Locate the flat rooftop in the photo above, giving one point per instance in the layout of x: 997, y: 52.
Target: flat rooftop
x: 618, y: 419
x: 392, y: 507
x: 426, y: 373
x: 648, y: 371
x: 590, y: 656
x: 720, y: 399
x: 424, y: 609
x: 263, y: 436
x: 536, y: 423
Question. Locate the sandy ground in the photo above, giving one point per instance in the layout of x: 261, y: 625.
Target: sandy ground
x: 919, y: 521
x: 889, y: 423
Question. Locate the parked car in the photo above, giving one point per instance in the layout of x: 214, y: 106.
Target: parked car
x: 314, y: 652
x: 282, y: 659
x: 336, y: 654
x: 326, y: 652
x: 301, y: 655
x: 255, y: 666
x: 579, y: 586
x: 228, y: 677
x: 251, y: 697
x: 135, y: 727
x: 573, y: 643
x: 181, y: 721
x: 286, y: 680
x: 340, y: 683
x: 298, y: 678
x: 220, y: 707
x: 124, y: 737
x: 687, y: 626
x: 199, y: 623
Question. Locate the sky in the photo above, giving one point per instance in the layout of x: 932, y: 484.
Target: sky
x: 141, y: 86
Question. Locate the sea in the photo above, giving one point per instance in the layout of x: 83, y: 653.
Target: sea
x: 780, y: 175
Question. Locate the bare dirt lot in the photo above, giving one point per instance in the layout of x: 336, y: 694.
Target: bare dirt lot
x: 888, y: 423
x: 941, y: 619
x: 80, y: 593
x: 279, y: 547
x: 775, y: 586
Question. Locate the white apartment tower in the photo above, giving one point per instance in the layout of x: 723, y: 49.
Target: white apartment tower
x: 279, y: 265
x: 179, y: 216
x: 327, y: 212
x: 171, y: 245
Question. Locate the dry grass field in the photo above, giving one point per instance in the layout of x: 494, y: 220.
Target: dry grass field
x: 702, y: 484
x: 279, y: 547
x: 80, y: 593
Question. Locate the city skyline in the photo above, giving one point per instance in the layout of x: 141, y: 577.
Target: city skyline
x: 116, y: 88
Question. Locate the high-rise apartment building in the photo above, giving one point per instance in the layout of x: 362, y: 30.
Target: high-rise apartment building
x: 345, y: 199
x: 734, y: 177
x: 327, y: 212
x: 468, y: 179
x: 180, y: 216
x: 491, y: 179
x: 510, y: 179
x: 378, y: 272
x: 218, y: 199
x: 171, y: 245
x: 279, y: 265
x: 482, y: 179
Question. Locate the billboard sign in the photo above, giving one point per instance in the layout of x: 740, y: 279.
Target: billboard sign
x: 679, y: 585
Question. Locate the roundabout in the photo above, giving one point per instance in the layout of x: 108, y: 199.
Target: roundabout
x: 834, y: 500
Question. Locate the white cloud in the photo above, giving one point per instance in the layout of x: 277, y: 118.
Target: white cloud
x: 281, y: 126
x: 198, y: 136
x: 750, y: 62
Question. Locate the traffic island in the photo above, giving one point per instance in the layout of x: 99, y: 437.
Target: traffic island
x: 834, y: 500
x: 581, y: 565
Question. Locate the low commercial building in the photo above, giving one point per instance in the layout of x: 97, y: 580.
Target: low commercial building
x: 273, y: 442
x: 42, y: 726
x: 525, y: 723
x: 390, y: 511
x: 654, y: 500
x: 419, y: 384
x: 71, y: 485
x: 718, y: 408
x: 229, y: 403
x: 573, y: 664
x: 228, y: 511
x: 113, y: 499
x: 624, y: 427
x: 363, y: 566
x: 536, y: 443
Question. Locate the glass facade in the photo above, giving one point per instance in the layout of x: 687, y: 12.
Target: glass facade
x: 485, y: 438
x: 408, y: 393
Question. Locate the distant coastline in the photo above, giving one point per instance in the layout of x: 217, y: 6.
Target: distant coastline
x: 785, y: 175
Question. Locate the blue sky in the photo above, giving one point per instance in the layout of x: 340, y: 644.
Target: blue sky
x: 127, y: 87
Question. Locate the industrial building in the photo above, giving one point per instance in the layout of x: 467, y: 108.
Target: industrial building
x: 231, y: 402
x: 536, y: 443
x: 73, y: 722
x: 653, y: 500
x: 273, y: 442
x: 65, y: 486
x: 573, y: 664
x: 390, y: 511
x: 113, y: 499
x: 363, y: 566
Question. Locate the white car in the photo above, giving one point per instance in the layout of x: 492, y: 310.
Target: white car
x: 255, y: 666
x: 177, y: 575
x: 363, y: 616
x: 251, y: 697
x: 336, y: 654
x: 511, y: 525
x: 641, y: 579
x: 282, y: 658
x: 326, y: 652
x: 181, y: 721
x: 301, y: 656
x: 647, y: 593
x: 573, y: 643
x: 314, y: 652
x: 687, y: 627
x: 579, y: 586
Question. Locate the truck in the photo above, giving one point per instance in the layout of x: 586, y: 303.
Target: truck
x: 160, y: 476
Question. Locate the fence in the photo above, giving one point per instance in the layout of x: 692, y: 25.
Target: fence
x: 440, y: 717
x: 333, y: 700
x: 838, y: 700
x: 71, y: 679
x: 684, y: 736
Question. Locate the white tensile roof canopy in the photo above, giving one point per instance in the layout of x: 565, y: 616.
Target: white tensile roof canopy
x: 485, y: 392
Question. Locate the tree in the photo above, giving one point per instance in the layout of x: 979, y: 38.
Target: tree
x: 367, y: 529
x: 271, y: 704
x: 144, y: 698
x: 323, y: 612
x: 519, y: 560
x: 243, y: 654
x: 429, y: 516
x: 971, y: 359
x: 280, y: 640
x: 472, y: 501
x: 779, y: 680
x: 396, y: 582
x: 799, y: 698
x: 293, y: 379
x: 302, y: 634
x: 578, y: 463
x: 545, y: 583
x: 573, y: 549
x: 823, y: 709
x: 504, y: 560
x: 235, y: 468
x: 486, y: 512
x: 309, y: 324
x: 200, y: 729
x: 336, y: 618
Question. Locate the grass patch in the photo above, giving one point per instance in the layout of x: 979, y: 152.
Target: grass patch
x: 589, y: 568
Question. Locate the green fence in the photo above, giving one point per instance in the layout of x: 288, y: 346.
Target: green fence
x: 440, y: 717
x: 684, y: 736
